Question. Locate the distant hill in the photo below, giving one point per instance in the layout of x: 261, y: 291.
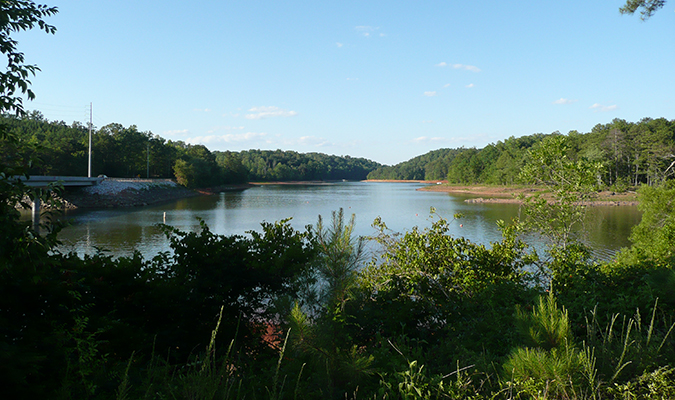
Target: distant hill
x: 278, y: 165
x: 632, y: 153
x: 430, y: 166
x: 495, y: 163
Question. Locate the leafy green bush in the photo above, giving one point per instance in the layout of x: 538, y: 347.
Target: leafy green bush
x: 432, y: 287
x: 654, y: 237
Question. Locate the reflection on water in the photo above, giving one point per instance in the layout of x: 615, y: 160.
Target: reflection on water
x: 398, y: 204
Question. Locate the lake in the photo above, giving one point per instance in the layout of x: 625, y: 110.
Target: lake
x: 400, y: 205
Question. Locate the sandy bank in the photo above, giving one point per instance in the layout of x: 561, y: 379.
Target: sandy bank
x: 507, y: 194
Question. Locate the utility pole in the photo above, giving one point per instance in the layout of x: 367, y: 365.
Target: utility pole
x: 90, y: 125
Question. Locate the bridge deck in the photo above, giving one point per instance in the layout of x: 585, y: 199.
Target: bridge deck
x: 43, y: 181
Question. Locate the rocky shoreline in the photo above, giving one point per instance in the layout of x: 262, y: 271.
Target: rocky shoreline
x: 113, y: 193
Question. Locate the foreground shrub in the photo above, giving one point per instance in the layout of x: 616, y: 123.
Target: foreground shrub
x: 551, y: 365
x: 441, y: 290
x: 658, y: 384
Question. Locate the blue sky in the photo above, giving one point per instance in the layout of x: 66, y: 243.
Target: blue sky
x: 384, y: 80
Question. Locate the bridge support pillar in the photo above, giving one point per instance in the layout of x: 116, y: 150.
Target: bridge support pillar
x: 35, y: 212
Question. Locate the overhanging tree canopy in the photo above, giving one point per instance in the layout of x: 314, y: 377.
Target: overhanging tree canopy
x: 647, y: 7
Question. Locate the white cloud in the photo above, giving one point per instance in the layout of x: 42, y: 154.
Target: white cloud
x: 202, y: 109
x: 313, y: 141
x: 427, y: 121
x: 564, y: 101
x: 266, y: 112
x: 466, y: 67
x: 476, y: 139
x: 307, y: 141
x: 366, y: 30
x: 224, y: 128
x: 446, y: 85
x: 600, y: 108
x: 430, y: 94
x: 338, y: 44
x: 426, y: 139
x: 175, y: 132
x: 352, y: 79
x: 459, y: 66
x: 470, y: 85
x: 228, y: 138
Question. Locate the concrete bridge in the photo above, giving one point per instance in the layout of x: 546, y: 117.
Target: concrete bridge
x: 44, y: 181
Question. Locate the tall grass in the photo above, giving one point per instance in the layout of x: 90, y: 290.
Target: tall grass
x: 210, y: 376
x: 614, y: 361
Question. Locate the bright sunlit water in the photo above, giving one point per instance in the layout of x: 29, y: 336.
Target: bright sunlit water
x: 400, y: 205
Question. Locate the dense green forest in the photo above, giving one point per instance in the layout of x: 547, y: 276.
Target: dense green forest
x: 117, y: 151
x: 631, y: 152
x: 125, y: 152
x: 265, y: 165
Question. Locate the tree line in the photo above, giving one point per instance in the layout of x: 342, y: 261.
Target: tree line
x: 117, y: 151
x: 266, y: 165
x: 632, y: 153
x: 125, y: 152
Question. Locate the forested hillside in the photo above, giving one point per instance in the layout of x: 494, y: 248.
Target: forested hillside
x: 118, y: 151
x: 430, y: 166
x: 266, y: 165
x: 631, y: 153
x: 126, y: 152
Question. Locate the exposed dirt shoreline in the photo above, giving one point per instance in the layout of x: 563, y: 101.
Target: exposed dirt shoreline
x: 507, y: 194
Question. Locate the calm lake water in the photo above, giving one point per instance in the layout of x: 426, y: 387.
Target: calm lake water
x: 400, y: 205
